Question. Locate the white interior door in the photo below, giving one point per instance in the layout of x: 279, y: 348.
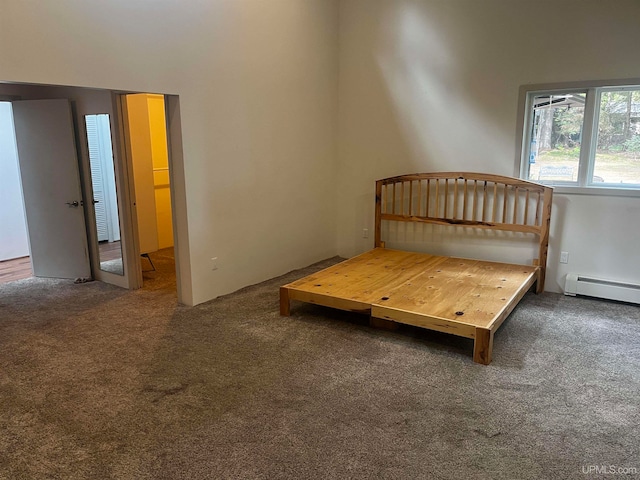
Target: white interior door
x: 48, y: 159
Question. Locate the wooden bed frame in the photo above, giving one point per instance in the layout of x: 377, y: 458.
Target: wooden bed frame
x: 470, y: 298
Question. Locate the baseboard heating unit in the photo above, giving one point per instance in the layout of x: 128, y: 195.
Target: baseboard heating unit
x: 597, y: 287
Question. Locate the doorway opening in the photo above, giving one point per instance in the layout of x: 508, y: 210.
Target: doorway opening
x: 148, y: 155
x: 108, y: 196
x: 15, y: 262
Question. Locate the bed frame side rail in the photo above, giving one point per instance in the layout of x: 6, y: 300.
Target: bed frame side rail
x: 468, y: 199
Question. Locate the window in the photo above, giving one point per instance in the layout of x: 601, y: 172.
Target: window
x: 583, y: 137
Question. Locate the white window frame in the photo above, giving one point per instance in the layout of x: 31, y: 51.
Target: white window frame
x: 593, y: 90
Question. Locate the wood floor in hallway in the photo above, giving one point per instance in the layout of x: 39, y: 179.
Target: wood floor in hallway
x: 20, y: 268
x: 16, y: 269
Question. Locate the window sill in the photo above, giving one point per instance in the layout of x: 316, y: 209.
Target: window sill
x: 597, y: 191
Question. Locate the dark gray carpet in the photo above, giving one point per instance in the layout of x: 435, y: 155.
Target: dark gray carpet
x: 99, y: 382
x: 113, y: 266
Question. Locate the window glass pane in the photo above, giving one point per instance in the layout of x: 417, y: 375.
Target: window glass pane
x: 617, y: 158
x: 556, y: 136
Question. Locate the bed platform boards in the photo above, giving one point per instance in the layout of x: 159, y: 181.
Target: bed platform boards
x: 465, y: 297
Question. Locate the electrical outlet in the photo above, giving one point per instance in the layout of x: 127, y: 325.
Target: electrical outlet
x: 214, y: 263
x: 564, y: 257
x: 365, y: 233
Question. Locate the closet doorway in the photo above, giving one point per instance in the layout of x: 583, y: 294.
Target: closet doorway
x: 148, y: 156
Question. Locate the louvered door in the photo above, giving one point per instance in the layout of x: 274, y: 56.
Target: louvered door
x: 97, y: 175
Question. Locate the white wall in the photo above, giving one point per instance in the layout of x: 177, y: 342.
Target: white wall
x: 14, y: 242
x: 423, y: 85
x: 257, y: 82
x: 433, y: 85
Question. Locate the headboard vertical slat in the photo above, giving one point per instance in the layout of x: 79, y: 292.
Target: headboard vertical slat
x: 484, y: 202
x: 475, y: 200
x: 419, y: 197
x: 437, y: 198
x: 537, y: 220
x: 465, y: 188
x: 428, y: 212
x: 388, y: 199
x: 495, y: 201
x: 406, y: 199
x: 504, y: 203
x: 385, y: 198
x: 526, y: 208
x: 393, y: 200
x: 410, y: 197
x: 455, y: 199
x: 446, y: 196
x: 516, y: 192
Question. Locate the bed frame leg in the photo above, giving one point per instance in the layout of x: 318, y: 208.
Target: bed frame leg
x: 483, y: 346
x: 383, y: 324
x: 285, y: 303
x: 540, y: 284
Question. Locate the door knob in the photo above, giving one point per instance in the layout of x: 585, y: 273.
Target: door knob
x: 73, y: 204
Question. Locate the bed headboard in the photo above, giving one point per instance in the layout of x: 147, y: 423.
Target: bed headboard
x: 465, y: 199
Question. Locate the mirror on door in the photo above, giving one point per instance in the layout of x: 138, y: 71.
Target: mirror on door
x: 105, y: 200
